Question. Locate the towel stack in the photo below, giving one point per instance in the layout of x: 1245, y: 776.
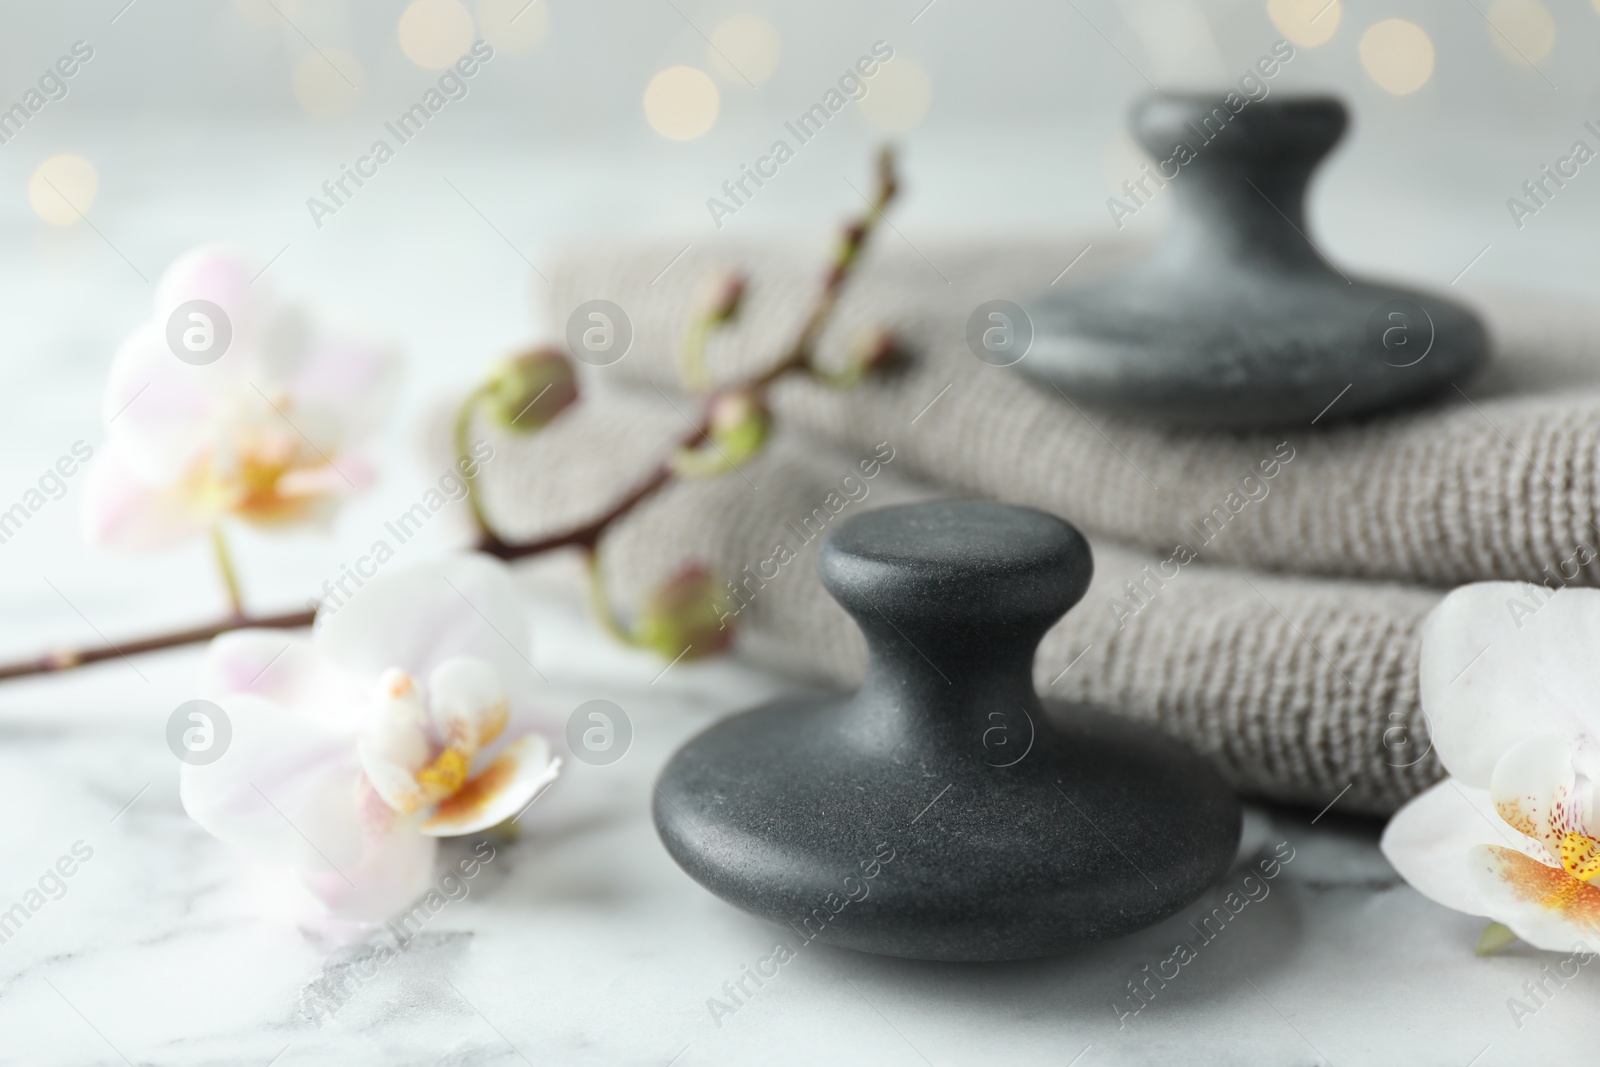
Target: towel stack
x: 1257, y: 595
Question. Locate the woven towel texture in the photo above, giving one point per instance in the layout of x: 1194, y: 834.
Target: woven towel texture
x: 1500, y: 479
x: 1256, y: 595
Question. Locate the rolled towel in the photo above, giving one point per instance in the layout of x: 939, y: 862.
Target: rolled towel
x: 1497, y: 479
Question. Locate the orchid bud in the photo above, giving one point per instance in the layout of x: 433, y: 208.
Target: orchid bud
x: 870, y: 353
x: 1495, y: 937
x: 736, y: 415
x: 724, y: 298
x: 527, y: 391
x: 738, y: 425
x: 685, y: 617
x: 717, y: 306
x: 875, y: 350
x: 850, y: 239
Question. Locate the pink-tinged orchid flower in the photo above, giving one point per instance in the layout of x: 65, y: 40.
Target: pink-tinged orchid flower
x: 1509, y: 684
x: 353, y: 751
x: 236, y: 407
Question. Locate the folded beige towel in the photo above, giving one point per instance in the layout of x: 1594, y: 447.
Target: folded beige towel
x: 1498, y: 480
x: 1300, y: 688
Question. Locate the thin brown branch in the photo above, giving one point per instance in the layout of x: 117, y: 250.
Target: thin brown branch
x: 588, y: 535
x: 53, y: 662
x: 800, y: 357
x: 851, y: 241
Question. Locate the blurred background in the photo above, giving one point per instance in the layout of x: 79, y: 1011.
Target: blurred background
x: 196, y: 121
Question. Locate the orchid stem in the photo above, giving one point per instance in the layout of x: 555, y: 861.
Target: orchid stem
x: 798, y: 358
x: 230, y: 576
x: 599, y: 602
x: 692, y: 354
x: 586, y: 537
x: 69, y: 659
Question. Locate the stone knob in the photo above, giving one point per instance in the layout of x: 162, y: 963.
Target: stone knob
x: 1241, y: 199
x: 942, y: 811
x: 952, y: 599
x: 1236, y: 319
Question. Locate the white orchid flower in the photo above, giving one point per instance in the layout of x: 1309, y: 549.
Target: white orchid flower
x: 354, y: 750
x: 235, y: 407
x: 1511, y: 688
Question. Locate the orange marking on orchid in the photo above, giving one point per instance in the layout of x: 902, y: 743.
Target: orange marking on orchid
x: 1549, y: 887
x: 1580, y: 855
x: 249, y: 482
x: 495, y: 718
x: 473, y: 797
x: 1519, y: 819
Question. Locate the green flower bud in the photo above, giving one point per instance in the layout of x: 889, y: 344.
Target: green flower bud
x: 688, y: 616
x: 738, y: 426
x: 870, y: 353
x: 724, y: 296
x: 527, y: 391
x: 1495, y: 937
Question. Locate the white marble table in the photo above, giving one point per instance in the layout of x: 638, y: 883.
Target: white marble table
x: 582, y: 943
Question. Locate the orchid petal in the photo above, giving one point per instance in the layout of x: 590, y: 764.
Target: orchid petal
x: 285, y: 787
x: 395, y: 867
x: 395, y: 746
x: 1498, y: 665
x: 121, y: 510
x: 419, y: 617
x: 1533, y: 790
x: 220, y: 275
x: 468, y: 702
x: 160, y: 411
x: 506, y: 786
x: 338, y: 388
x: 344, y: 475
x: 1427, y: 839
x: 1544, y: 905
x: 287, y: 669
x: 353, y: 381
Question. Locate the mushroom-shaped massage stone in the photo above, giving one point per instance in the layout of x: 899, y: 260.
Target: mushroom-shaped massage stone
x: 1236, y: 319
x: 942, y: 812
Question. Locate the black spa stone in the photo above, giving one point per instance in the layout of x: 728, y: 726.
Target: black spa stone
x: 942, y: 812
x: 1236, y: 319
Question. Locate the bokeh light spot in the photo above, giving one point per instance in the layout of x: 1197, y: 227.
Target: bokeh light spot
x: 435, y: 33
x: 1522, y: 29
x: 1398, y: 55
x: 744, y: 47
x: 898, y: 96
x: 1306, y: 23
x: 681, y: 103
x: 515, y: 27
x: 63, y: 188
